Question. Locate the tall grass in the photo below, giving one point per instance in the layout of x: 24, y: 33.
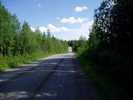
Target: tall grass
x: 100, y: 76
x: 7, y: 62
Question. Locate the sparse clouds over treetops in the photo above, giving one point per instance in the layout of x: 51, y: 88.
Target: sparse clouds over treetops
x: 67, y: 33
x: 63, y: 32
x: 66, y: 19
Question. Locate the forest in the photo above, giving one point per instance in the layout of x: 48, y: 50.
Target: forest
x: 107, y: 54
x: 19, y: 44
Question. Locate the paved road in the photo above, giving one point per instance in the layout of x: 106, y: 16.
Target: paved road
x: 55, y: 78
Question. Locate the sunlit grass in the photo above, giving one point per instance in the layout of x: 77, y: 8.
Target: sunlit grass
x: 7, y: 62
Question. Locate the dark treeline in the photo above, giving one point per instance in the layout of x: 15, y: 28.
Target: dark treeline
x: 110, y: 51
x: 17, y: 39
x: 78, y: 45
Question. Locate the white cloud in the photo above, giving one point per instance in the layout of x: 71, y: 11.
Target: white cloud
x: 42, y: 29
x: 64, y: 28
x: 75, y: 33
x: 51, y: 27
x: 68, y: 33
x: 80, y: 8
x: 55, y: 29
x: 32, y: 29
x: 87, y: 26
x: 72, y: 20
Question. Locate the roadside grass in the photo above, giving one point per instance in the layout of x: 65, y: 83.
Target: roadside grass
x: 7, y: 62
x: 105, y: 87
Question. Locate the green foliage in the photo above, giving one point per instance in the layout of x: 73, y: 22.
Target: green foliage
x: 7, y: 31
x: 20, y: 45
x: 78, y: 44
x: 110, y: 49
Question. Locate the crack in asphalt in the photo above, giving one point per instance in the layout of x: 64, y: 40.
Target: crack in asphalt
x: 44, y: 80
x: 19, y: 74
x: 58, y: 78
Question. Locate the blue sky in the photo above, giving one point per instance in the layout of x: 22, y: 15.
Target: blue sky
x: 67, y: 19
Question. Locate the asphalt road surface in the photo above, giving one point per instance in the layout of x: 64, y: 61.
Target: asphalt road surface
x: 58, y: 77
